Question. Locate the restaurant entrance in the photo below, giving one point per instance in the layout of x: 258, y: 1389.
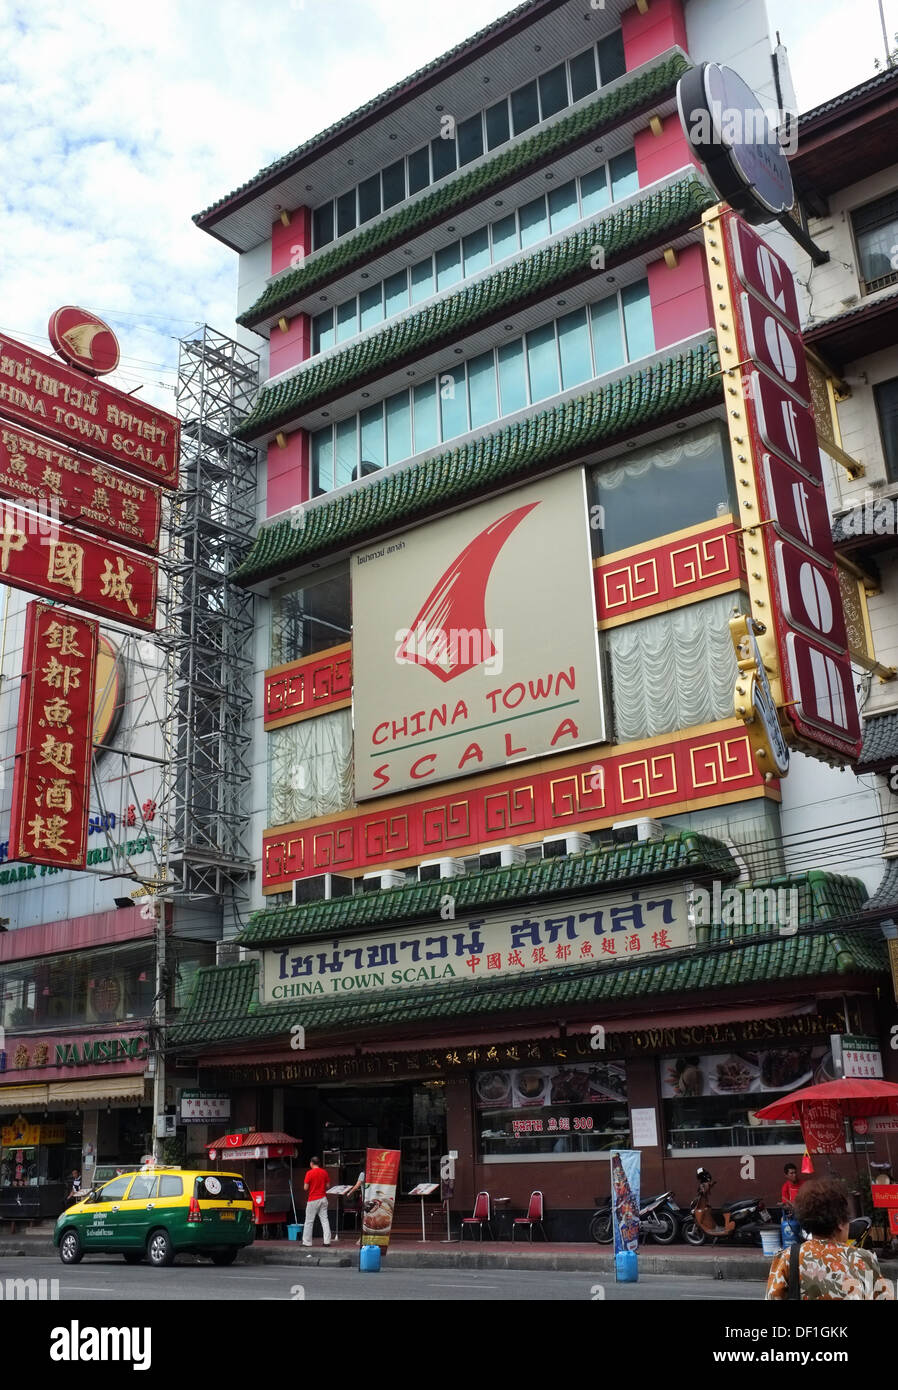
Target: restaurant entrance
x: 340, y: 1122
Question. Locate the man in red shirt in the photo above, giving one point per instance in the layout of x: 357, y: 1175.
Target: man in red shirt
x: 791, y: 1187
x: 315, y: 1185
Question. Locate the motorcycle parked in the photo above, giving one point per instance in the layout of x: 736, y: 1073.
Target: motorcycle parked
x: 659, y: 1217
x: 743, y: 1220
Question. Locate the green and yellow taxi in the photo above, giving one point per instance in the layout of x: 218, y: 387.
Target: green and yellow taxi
x: 157, y: 1212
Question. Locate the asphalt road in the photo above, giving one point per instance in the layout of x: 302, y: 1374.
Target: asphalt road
x: 98, y: 1280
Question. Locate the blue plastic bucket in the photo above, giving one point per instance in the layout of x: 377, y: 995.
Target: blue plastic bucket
x: 791, y: 1230
x: 770, y: 1243
x: 626, y: 1267
x: 369, y: 1259
x: 294, y: 1232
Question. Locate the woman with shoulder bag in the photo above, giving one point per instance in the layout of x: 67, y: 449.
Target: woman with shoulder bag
x: 825, y: 1266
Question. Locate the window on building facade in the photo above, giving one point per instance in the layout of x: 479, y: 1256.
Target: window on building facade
x: 876, y: 237
x: 532, y: 223
x: 557, y: 356
x: 665, y: 487
x: 310, y: 768
x: 711, y: 1100
x: 672, y: 671
x: 552, y: 1112
x: 538, y: 100
x: 88, y: 987
x: 310, y: 615
x: 886, y: 397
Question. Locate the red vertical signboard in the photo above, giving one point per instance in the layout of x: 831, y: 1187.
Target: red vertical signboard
x: 381, y: 1179
x: 806, y: 604
x: 54, y: 742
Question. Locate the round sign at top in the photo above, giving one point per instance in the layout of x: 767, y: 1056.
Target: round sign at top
x: 728, y: 130
x: 83, y: 340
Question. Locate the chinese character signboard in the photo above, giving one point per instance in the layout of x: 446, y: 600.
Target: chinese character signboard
x: 68, y: 488
x: 42, y: 393
x: 204, y: 1107
x: 793, y: 577
x: 45, y: 558
x: 860, y: 1056
x: 588, y: 932
x: 54, y: 742
x: 474, y: 641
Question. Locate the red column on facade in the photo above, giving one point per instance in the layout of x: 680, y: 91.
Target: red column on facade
x: 288, y: 472
x: 648, y: 35
x: 681, y: 303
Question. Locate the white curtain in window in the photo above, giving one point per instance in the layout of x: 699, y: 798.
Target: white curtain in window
x: 673, y: 670
x: 696, y: 444
x: 310, y: 768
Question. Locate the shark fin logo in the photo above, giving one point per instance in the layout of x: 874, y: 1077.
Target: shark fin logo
x: 83, y: 340
x: 449, y: 635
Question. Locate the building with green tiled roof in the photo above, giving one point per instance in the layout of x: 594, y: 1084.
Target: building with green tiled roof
x: 522, y: 869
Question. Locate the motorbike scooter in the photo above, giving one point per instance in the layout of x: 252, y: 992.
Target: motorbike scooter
x: 743, y: 1220
x: 659, y: 1217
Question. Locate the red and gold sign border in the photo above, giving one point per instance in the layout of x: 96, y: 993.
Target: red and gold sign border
x: 299, y: 689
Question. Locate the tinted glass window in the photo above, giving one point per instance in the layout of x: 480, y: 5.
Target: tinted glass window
x: 322, y: 461
x: 346, y: 219
x: 512, y: 378
x: 607, y: 338
x: 638, y: 320
x: 221, y: 1187
x: 476, y: 248
x: 573, y: 343
x: 583, y: 74
x: 396, y: 292
x: 347, y: 451
x: 505, y: 237
x: 142, y: 1189
x: 443, y: 156
x: 323, y: 331
x: 876, y: 234
x: 448, y: 265
x: 371, y: 423
x: 612, y: 62
x: 563, y: 209
x: 594, y: 193
x: 453, y: 402
x: 425, y: 409
x: 482, y: 389
x: 886, y: 397
x: 524, y: 108
x: 422, y: 280
x: 369, y: 198
x: 170, y: 1186
x: 323, y: 225
x: 347, y: 320
x: 393, y: 183
x: 534, y: 222
x: 624, y: 178
x: 310, y: 616
x: 114, y: 1191
x: 399, y: 427
x: 542, y: 362
x: 553, y: 91
x: 371, y: 307
x: 470, y: 139
x: 418, y: 170
x: 497, y: 128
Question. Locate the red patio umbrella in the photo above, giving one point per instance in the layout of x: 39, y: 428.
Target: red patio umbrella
x: 857, y: 1097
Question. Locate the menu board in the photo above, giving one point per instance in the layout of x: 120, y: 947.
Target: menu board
x: 526, y: 1087
x: 742, y: 1073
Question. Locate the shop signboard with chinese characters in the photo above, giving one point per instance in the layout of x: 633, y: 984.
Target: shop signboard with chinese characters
x: 38, y: 473
x: 587, y: 932
x: 43, y: 557
x: 474, y: 641
x: 790, y: 561
x: 204, y: 1107
x: 859, y: 1056
x: 54, y: 741
x: 42, y: 393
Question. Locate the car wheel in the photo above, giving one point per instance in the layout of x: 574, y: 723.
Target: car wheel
x: 70, y: 1251
x: 225, y: 1257
x: 132, y: 1257
x: 160, y: 1251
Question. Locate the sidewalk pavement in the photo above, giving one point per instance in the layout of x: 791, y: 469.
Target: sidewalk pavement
x: 707, y: 1261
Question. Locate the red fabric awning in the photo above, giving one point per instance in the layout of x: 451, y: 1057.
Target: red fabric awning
x: 855, y: 1096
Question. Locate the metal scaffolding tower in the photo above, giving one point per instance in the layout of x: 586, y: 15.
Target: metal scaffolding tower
x: 209, y: 632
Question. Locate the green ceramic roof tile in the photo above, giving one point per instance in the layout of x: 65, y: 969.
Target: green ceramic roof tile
x: 683, y: 853
x: 345, y: 123
x: 732, y: 957
x: 452, y: 195
x: 622, y: 233
x: 675, y: 384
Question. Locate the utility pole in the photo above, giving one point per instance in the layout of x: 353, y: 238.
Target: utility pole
x: 159, y: 1028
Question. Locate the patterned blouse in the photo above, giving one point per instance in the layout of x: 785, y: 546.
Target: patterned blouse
x: 830, y: 1271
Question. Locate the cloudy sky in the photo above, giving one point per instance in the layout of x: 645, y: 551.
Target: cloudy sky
x: 121, y: 120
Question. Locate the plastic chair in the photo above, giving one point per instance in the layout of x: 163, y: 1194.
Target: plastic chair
x: 533, y: 1218
x: 481, y: 1216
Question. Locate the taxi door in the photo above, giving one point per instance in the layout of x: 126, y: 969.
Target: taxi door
x: 98, y: 1224
x: 136, y: 1212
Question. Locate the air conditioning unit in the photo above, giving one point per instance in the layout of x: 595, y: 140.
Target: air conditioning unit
x: 502, y: 857
x: 320, y: 888
x: 166, y: 1126
x: 625, y: 832
x: 387, y: 878
x: 440, y: 868
x: 556, y: 846
x: 227, y: 953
